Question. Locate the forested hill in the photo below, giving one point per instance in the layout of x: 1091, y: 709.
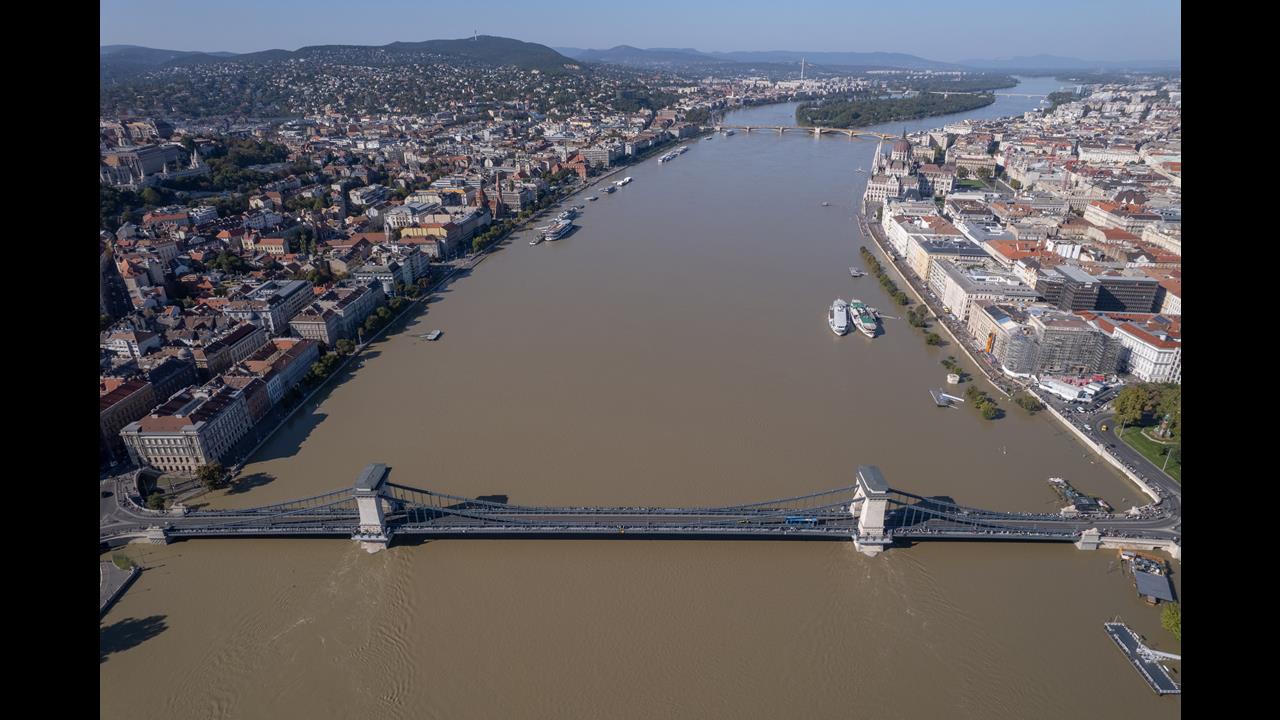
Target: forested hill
x: 117, y: 62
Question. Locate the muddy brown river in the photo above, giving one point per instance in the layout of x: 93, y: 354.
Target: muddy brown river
x: 673, y: 350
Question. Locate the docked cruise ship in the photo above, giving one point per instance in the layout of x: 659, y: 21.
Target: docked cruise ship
x: 863, y: 318
x: 682, y: 149
x: 838, y: 317
x: 559, y: 230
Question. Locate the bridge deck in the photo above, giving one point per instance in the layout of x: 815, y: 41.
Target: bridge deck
x: 822, y: 515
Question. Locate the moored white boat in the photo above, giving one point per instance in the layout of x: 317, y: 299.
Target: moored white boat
x: 863, y: 318
x: 838, y: 317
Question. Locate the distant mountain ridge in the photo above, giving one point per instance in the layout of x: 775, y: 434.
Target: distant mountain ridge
x: 1057, y: 62
x: 118, y: 61
x: 655, y: 57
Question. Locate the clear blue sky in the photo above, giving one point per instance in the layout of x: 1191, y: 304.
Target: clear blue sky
x: 945, y: 30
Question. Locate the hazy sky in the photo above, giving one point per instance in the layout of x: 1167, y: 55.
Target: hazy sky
x: 946, y: 30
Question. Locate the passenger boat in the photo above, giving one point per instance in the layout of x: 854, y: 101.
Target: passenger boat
x: 838, y: 317
x: 610, y: 189
x: 863, y: 318
x: 559, y: 230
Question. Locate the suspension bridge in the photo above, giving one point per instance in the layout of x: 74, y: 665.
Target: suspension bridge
x: 853, y: 133
x: 869, y: 512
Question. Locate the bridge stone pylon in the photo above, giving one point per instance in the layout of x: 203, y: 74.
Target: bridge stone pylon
x: 373, y: 533
x: 870, y: 502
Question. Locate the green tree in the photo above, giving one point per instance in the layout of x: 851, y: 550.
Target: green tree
x: 1171, y: 619
x: 1133, y: 403
x: 155, y: 501
x: 962, y: 173
x: 989, y: 410
x: 211, y: 475
x: 984, y: 173
x: 932, y: 339
x: 1028, y: 402
x: 104, y: 322
x: 152, y: 198
x: 344, y: 347
x: 1169, y: 403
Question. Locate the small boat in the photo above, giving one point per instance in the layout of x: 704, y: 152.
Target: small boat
x: 855, y: 272
x: 838, y: 317
x: 537, y: 239
x: 709, y: 138
x: 581, y: 207
x: 610, y: 189
x: 593, y: 198
x: 623, y: 181
x: 433, y: 335
x: 728, y: 133
x: 683, y: 149
x: 826, y: 204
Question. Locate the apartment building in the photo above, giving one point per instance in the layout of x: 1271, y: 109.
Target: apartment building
x: 194, y: 427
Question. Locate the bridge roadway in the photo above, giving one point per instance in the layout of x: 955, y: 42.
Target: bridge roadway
x: 853, y: 133
x: 868, y: 512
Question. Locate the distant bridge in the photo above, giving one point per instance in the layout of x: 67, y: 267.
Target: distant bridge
x: 869, y: 513
x: 947, y: 93
x: 815, y: 131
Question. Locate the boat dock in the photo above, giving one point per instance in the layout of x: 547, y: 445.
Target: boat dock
x: 1144, y: 658
x: 943, y: 399
x: 1150, y: 577
x: 1076, y: 501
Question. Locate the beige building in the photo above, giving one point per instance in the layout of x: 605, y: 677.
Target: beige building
x: 194, y: 427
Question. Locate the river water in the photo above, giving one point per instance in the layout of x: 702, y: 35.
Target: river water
x: 672, y: 351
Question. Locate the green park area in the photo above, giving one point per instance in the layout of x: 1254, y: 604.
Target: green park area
x: 1139, y: 439
x: 1146, y: 411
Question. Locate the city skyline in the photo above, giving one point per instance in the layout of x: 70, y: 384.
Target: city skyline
x: 1144, y: 31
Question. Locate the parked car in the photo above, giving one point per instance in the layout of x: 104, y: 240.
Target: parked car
x: 106, y: 493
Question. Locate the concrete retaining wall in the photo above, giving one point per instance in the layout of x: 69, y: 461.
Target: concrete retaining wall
x: 1100, y: 449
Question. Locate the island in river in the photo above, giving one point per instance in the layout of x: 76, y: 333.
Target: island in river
x: 861, y: 112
